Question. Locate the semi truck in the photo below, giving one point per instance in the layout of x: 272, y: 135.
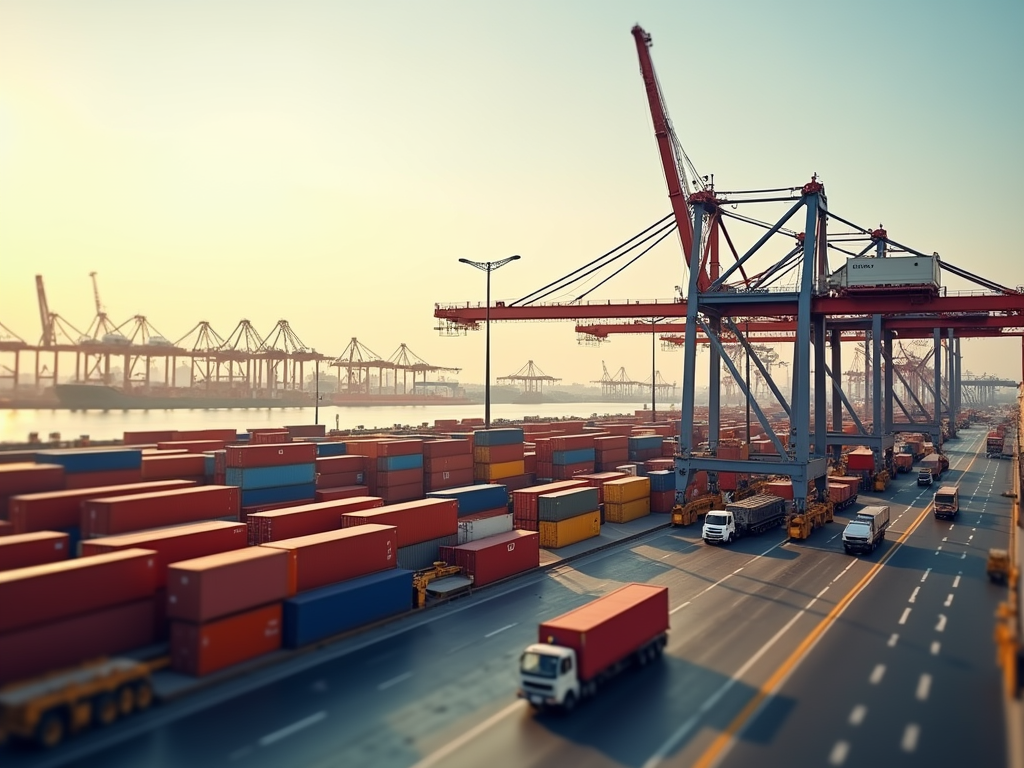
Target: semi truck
x: 578, y: 651
x: 752, y: 515
x: 994, y: 445
x: 866, y: 531
x: 946, y: 502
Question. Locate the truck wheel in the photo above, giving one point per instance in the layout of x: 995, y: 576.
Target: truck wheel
x: 125, y: 700
x: 104, y: 710
x: 569, y: 703
x: 143, y: 695
x: 51, y: 729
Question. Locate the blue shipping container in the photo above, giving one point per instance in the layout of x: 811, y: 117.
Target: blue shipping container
x: 396, y: 463
x: 251, y: 478
x: 209, y: 464
x: 474, y: 498
x: 645, y: 442
x: 256, y: 496
x: 92, y: 460
x: 417, y: 557
x: 321, y: 613
x: 576, y: 456
x: 242, y: 437
x: 662, y: 480
x: 331, y: 449
x: 505, y: 436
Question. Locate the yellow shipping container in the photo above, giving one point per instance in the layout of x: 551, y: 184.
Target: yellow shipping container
x: 498, y: 454
x: 630, y: 510
x: 492, y: 472
x: 627, y: 489
x: 571, y: 530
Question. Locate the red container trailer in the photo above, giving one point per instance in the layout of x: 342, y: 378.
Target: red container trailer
x: 125, y: 514
x: 42, y: 593
x: 214, y: 586
x: 75, y: 480
x: 172, y: 545
x: 29, y: 549
x: 199, y: 649
x: 321, y: 559
x: 417, y: 521
x: 190, y: 465
x: 496, y: 557
x: 272, y: 455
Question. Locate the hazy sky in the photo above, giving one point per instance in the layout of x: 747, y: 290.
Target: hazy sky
x: 329, y: 162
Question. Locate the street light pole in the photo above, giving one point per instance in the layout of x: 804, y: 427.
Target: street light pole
x: 488, y: 267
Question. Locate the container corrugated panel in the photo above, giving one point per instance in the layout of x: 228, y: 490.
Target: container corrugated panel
x: 399, y: 462
x: 576, y: 456
x: 525, y: 504
x: 326, y: 558
x: 272, y: 455
x: 124, y: 514
x: 304, y: 519
x: 611, y: 443
x: 172, y: 545
x: 598, y: 479
x: 501, y: 436
x: 395, y: 494
x: 518, y: 482
x: 498, y: 454
x: 490, y: 472
x: 339, y: 479
x: 569, y: 471
x: 74, y: 480
x: 662, y: 480
x: 6, y: 528
x: 199, y: 649
x: 572, y: 530
x: 474, y: 528
x: 269, y: 438
x: 437, y: 449
x: 330, y: 465
x: 448, y: 463
x: 496, y: 557
x: 395, y: 448
x: 626, y: 489
x: 439, y: 481
x: 54, y: 591
x: 322, y: 613
x: 170, y: 467
x: 570, y: 443
x: 26, y: 477
x: 43, y: 648
x: 395, y: 477
x: 630, y: 510
x: 417, y: 557
x: 274, y: 495
x: 562, y: 505
x: 210, y: 587
x: 252, y: 478
x: 92, y: 459
x: 27, y: 549
x: 341, y: 492
x: 194, y: 446
x: 662, y: 501
x: 645, y: 442
x: 417, y: 521
x: 335, y: 448
x: 474, y: 498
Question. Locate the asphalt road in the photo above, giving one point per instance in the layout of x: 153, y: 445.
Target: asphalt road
x: 780, y: 654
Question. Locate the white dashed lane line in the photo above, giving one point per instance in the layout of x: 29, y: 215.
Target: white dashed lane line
x: 838, y: 754
x: 906, y: 613
x: 924, y: 686
x: 910, y: 734
x: 858, y: 714
x: 913, y: 595
x: 877, y: 674
x: 936, y: 645
x: 893, y: 640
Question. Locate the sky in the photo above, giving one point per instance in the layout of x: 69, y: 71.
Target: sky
x: 329, y: 162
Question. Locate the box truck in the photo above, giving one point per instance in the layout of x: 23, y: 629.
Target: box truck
x: 752, y: 515
x: 866, y: 531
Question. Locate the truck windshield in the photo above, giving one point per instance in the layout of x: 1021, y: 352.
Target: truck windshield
x: 717, y: 520
x: 538, y: 664
x: 944, y: 499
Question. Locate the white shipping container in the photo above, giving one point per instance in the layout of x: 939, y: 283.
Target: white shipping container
x: 481, y: 528
x: 897, y: 271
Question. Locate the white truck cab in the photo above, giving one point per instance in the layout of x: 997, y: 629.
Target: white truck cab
x: 719, y: 525
x: 547, y: 675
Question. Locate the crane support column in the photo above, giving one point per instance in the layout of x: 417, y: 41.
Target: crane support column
x: 837, y: 403
x: 876, y: 388
x: 888, y: 397
x: 820, y: 400
x: 936, y: 427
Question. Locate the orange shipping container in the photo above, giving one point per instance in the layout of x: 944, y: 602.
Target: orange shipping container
x: 199, y: 649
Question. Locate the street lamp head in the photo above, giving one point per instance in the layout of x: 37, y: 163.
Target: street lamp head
x: 465, y: 261
x: 517, y: 256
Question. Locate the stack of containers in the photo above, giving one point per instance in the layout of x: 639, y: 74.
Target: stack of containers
x: 840, y: 495
x: 572, y: 455
x: 627, y: 499
x: 656, y: 465
x: 525, y: 504
x: 272, y: 473
x: 498, y: 454
x: 107, y: 516
x: 424, y: 526
x: 568, y: 516
x: 25, y: 477
x: 644, y: 447
x: 341, y: 471
x: 400, y: 470
x: 598, y: 479
x: 663, y: 490
x: 610, y: 452
x: 781, y: 488
x: 305, y: 519
x: 89, y: 468
x: 853, y: 483
x: 483, y: 510
x: 496, y: 557
x: 65, y: 613
x: 544, y: 458
x: 27, y: 549
x: 225, y: 608
x: 447, y: 464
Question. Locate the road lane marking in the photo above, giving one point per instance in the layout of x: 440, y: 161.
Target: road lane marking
x: 956, y: 582
x: 838, y: 754
x: 924, y: 685
x: 679, y: 607
x: 913, y: 596
x: 949, y: 600
x: 472, y: 733
x: 668, y: 555
x: 910, y: 734
x: 288, y: 730
x: 877, y: 674
x: 857, y: 715
x: 726, y: 578
x: 945, y: 538
x: 852, y: 562
x: 822, y: 592
x: 924, y: 576
x: 394, y: 681
x: 495, y: 632
x: 941, y: 626
x: 936, y: 645
x: 892, y: 640
x: 951, y: 527
x: 903, y: 618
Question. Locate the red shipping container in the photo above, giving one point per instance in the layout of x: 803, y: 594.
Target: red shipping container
x: 273, y: 455
x: 43, y: 648
x: 612, y: 443
x: 496, y: 557
x: 305, y: 519
x: 569, y: 471
x: 499, y: 512
x: 432, y: 465
x: 572, y: 442
x: 307, y: 430
x: 326, y: 558
x: 394, y: 494
x: 781, y: 488
x: 838, y: 492
x: 194, y: 446
x: 172, y: 545
x: 243, y: 516
x: 542, y: 447
x: 436, y: 449
x: 53, y: 591
x: 400, y: 448
x: 662, y: 501
x: 269, y: 438
x: 525, y: 504
x: 340, y: 478
x: 75, y: 480
x: 170, y: 467
x: 861, y: 459
x: 417, y: 521
x: 342, y: 492
x: 598, y: 479
x: 545, y: 469
x: 201, y: 649
x: 6, y: 528
x: 498, y: 454
x: 125, y: 514
x: 214, y: 586
x: 530, y: 462
x: 330, y: 465
x: 518, y: 482
x: 657, y: 465
x: 29, y: 549
x: 26, y: 477
x: 166, y: 452
x: 521, y: 524
x: 396, y: 477
x: 436, y: 481
x: 148, y: 438
x: 222, y: 435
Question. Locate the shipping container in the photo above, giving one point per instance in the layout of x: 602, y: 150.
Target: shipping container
x: 331, y: 449
x: 484, y: 524
x: 92, y: 459
x: 421, y: 556
x: 662, y: 480
x: 305, y: 519
x: 75, y: 480
x: 572, y: 443
x: 626, y: 511
x: 562, y: 505
x: 210, y: 587
x: 890, y: 274
x: 497, y: 436
x: 322, y: 613
x: 662, y: 501
x: 474, y: 498
x: 27, y: 549
x: 326, y: 558
x: 194, y: 446
x: 269, y: 437
x: 570, y: 471
x: 498, y: 454
x: 437, y: 449
x: 107, y: 516
x: 273, y: 455
x: 598, y: 479
x: 305, y: 491
x: 25, y: 477
x: 395, y: 477
x: 432, y: 465
x: 190, y: 465
x: 554, y: 535
x: 331, y: 465
x: 525, y: 502
x: 496, y: 557
x: 576, y: 456
x: 409, y: 461
x: 627, y: 489
x: 417, y: 521
x: 199, y: 649
x: 457, y: 478
x: 151, y: 437
x: 254, y: 478
x: 490, y: 472
x: 395, y: 448
x: 341, y: 492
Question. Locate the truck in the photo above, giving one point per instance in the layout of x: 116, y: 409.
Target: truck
x: 866, y: 531
x: 994, y: 445
x: 924, y: 476
x: 752, y: 515
x: 577, y: 652
x: 946, y: 502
